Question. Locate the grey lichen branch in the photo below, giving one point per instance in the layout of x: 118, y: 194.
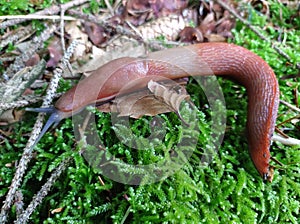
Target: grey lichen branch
x: 38, y: 198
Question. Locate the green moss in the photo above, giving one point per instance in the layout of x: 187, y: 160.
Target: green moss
x: 227, y: 190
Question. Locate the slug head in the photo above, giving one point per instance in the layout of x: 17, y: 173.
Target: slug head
x: 55, y: 117
x: 261, y: 159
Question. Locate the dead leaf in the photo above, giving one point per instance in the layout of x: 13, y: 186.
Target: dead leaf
x: 138, y: 12
x: 215, y: 38
x: 34, y: 60
x: 139, y: 104
x: 72, y: 28
x: 208, y: 25
x: 11, y: 116
x: 191, y: 35
x: 167, y: 7
x: 169, y: 96
x: 95, y: 32
x: 124, y: 47
x: 165, y: 98
x: 57, y: 210
x: 225, y: 25
x: 55, y: 52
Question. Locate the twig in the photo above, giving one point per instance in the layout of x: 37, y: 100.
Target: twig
x: 290, y: 106
x: 108, y: 26
x: 53, y: 10
x: 12, y: 38
x: 27, y: 154
x: 38, y: 198
x: 256, y: 31
x: 286, y: 141
x: 108, y: 5
x: 281, y: 132
x: 33, y: 46
x: 40, y: 17
x: 24, y: 102
x: 62, y: 28
x: 288, y: 120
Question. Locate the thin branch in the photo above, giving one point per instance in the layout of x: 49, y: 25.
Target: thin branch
x: 27, y: 154
x: 24, y: 102
x: 290, y: 106
x: 108, y: 26
x: 53, y: 10
x: 40, y: 17
x: 33, y: 46
x: 12, y: 38
x: 286, y: 141
x: 38, y: 198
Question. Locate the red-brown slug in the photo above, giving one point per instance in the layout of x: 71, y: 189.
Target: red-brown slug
x: 223, y: 59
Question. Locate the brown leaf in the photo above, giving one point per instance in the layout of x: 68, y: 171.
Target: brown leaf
x: 215, y: 38
x: 57, y: 210
x: 75, y: 33
x: 171, y: 6
x: 11, y: 116
x: 137, y: 11
x: 34, y: 60
x: 208, y: 25
x: 139, y: 104
x: 169, y: 96
x: 225, y: 25
x: 95, y: 32
x: 55, y: 52
x: 163, y: 99
x: 215, y: 21
x: 191, y: 35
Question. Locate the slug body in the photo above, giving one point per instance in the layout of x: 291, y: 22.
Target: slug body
x: 223, y: 59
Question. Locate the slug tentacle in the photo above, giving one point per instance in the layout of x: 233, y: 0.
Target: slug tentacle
x: 55, y: 117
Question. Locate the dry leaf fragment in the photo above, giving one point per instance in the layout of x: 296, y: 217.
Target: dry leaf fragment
x: 169, y: 96
x: 95, y: 32
x: 34, y: 60
x: 55, y: 52
x: 72, y: 28
x: 208, y: 24
x: 11, y: 116
x: 138, y: 104
x: 191, y: 35
x: 57, y: 210
x: 145, y: 102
